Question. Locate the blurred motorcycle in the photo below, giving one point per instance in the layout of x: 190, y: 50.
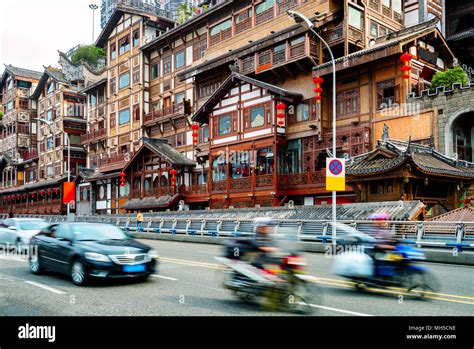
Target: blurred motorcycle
x: 393, y: 268
x: 281, y: 283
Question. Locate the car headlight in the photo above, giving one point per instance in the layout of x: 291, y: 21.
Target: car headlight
x: 96, y: 257
x: 152, y: 254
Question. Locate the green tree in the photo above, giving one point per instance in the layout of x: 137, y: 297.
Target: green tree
x: 185, y: 12
x: 449, y: 77
x: 90, y: 54
x: 1, y: 115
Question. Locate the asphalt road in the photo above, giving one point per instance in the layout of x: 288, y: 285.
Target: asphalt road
x: 187, y: 284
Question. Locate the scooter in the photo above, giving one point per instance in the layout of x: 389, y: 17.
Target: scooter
x: 283, y: 283
x: 394, y: 268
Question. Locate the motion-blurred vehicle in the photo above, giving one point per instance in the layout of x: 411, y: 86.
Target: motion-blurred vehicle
x: 282, y: 282
x: 366, y: 263
x: 90, y: 250
x: 20, y: 231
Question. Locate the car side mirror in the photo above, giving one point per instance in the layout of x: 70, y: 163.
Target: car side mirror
x: 12, y: 227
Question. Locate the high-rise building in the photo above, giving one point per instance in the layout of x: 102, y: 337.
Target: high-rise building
x: 152, y: 6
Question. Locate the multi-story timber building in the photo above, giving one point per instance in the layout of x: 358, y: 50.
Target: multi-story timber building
x: 17, y: 132
x: 226, y: 70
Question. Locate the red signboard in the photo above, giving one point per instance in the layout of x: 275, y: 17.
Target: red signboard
x: 69, y: 192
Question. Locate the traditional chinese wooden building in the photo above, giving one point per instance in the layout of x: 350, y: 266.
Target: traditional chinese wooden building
x: 398, y: 170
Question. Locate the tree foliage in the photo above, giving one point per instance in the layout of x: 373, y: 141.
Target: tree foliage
x: 185, y: 12
x: 449, y: 77
x: 1, y: 115
x: 90, y: 54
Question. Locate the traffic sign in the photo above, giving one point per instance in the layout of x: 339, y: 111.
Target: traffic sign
x: 335, y: 174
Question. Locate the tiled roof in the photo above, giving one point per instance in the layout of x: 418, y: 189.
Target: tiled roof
x: 21, y: 72
x: 391, y: 154
x: 163, y: 149
x: 150, y: 202
x: 464, y: 214
x: 35, y: 185
x: 398, y: 210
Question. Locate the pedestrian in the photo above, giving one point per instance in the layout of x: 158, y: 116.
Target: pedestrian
x: 140, y: 221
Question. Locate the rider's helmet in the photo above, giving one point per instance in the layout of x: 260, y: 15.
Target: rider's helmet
x: 264, y: 225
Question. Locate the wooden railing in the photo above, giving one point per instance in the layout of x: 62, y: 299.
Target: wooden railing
x: 93, y: 136
x: 313, y: 179
x: 374, y: 5
x: 221, y: 36
x: 355, y: 35
x: 241, y: 184
x: 247, y: 65
x: 243, y: 25
x: 197, y: 189
x: 154, y: 116
x: 114, y: 159
x: 334, y: 34
x: 29, y: 154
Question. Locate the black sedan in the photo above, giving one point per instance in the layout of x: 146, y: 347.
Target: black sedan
x: 90, y: 250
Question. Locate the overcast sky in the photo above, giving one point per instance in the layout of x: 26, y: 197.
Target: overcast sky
x: 31, y: 31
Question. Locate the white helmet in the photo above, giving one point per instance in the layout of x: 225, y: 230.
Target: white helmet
x: 264, y: 222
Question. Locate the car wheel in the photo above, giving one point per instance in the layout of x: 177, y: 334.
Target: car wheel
x: 35, y: 266
x: 78, y: 273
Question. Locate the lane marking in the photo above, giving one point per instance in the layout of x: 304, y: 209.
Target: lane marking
x: 211, y: 253
x: 339, y: 310
x: 164, y: 277
x: 37, y: 284
x: 15, y: 259
x: 336, y: 282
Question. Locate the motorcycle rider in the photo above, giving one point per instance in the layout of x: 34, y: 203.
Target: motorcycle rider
x: 262, y: 245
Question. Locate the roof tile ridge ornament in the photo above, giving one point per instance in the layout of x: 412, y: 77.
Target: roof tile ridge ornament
x: 409, y: 151
x: 385, y: 133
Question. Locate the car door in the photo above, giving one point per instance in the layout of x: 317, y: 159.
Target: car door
x: 60, y: 248
x: 47, y: 244
x: 64, y: 247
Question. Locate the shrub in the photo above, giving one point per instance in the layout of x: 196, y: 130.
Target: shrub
x: 449, y: 77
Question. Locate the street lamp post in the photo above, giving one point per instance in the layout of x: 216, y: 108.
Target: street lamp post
x: 93, y: 7
x: 53, y: 126
x: 305, y: 22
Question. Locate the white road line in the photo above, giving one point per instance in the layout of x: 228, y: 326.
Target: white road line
x: 164, y: 277
x: 16, y: 259
x: 211, y: 253
x: 339, y: 310
x: 37, y: 284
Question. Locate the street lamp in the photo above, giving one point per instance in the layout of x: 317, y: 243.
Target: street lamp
x: 93, y: 7
x: 305, y: 22
x: 54, y: 128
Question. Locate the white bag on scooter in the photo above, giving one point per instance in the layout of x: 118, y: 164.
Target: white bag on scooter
x: 353, y: 264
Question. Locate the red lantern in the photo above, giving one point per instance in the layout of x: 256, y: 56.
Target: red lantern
x: 173, y: 172
x: 406, y: 57
x: 122, y: 179
x: 318, y: 80
x: 281, y: 106
x: 195, y: 134
x: 406, y: 76
x: 281, y: 122
x: 406, y: 68
x: 280, y: 115
x: 318, y: 90
x: 195, y: 127
x: 318, y: 98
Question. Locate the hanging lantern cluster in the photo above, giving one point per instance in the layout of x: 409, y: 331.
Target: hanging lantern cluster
x: 195, y: 135
x: 122, y: 179
x: 406, y: 68
x: 318, y: 81
x: 281, y: 112
x: 173, y: 173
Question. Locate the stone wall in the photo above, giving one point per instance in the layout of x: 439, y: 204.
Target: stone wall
x: 449, y: 104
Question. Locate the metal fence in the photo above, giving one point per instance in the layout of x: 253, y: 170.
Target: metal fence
x: 454, y: 235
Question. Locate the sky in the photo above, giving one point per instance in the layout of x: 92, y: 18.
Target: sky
x: 32, y: 31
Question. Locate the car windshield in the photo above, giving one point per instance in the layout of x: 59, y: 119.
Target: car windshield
x: 97, y: 232
x: 32, y: 225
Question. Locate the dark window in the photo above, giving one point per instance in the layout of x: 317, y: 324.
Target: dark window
x: 136, y: 38
x: 124, y: 45
x: 113, y: 51
x: 155, y: 71
x: 347, y: 103
x: 387, y: 94
x: 199, y: 49
x: 167, y: 65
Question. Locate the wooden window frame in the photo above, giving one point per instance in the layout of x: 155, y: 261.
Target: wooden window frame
x: 167, y: 61
x: 199, y: 48
x: 183, y: 51
x: 247, y: 115
x: 378, y: 88
x: 346, y: 95
x: 233, y: 125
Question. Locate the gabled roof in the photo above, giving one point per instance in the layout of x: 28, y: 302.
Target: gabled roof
x: 49, y: 72
x: 94, y: 85
x: 202, y: 114
x: 393, y: 40
x: 392, y: 154
x: 113, y: 20
x: 463, y: 214
x: 164, y: 150
x: 150, y: 202
x: 19, y: 72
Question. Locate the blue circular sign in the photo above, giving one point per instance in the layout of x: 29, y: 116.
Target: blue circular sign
x: 335, y: 167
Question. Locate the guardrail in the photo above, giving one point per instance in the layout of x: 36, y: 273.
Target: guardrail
x: 454, y: 235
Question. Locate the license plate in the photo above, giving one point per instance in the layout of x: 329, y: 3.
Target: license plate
x: 134, y: 268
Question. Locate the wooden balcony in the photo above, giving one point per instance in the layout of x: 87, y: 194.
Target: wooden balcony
x: 279, y: 56
x: 334, y: 36
x: 163, y: 114
x: 29, y: 154
x: 221, y: 36
x: 93, y: 136
x: 114, y: 161
x: 264, y: 16
x: 285, y: 5
x: 302, y: 180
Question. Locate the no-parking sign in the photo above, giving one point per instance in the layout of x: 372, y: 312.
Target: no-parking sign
x: 335, y: 174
